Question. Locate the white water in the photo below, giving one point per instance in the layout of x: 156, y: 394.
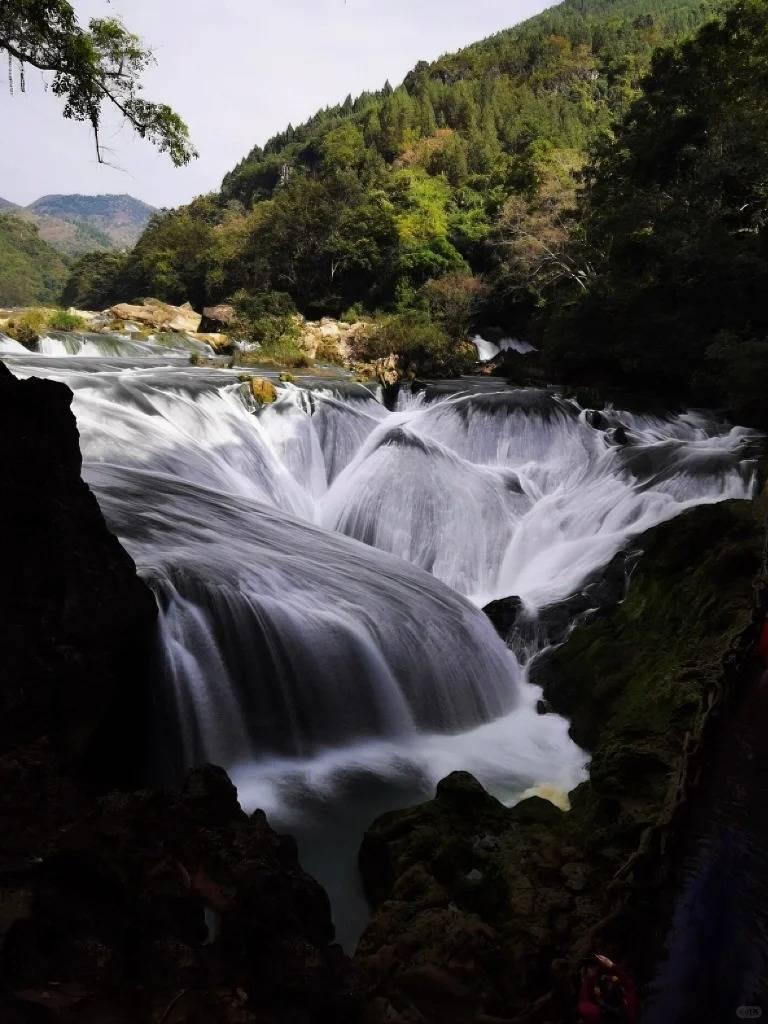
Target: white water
x: 334, y: 678
x: 487, y: 350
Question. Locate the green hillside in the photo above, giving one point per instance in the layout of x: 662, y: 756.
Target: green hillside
x: 117, y: 219
x: 371, y: 199
x: 31, y: 272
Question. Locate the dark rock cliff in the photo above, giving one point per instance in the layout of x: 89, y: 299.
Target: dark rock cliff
x: 75, y: 620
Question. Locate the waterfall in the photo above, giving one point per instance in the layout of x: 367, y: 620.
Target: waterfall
x: 320, y: 563
x: 487, y: 350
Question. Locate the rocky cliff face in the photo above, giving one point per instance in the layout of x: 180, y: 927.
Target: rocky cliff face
x: 75, y: 619
x: 482, y: 912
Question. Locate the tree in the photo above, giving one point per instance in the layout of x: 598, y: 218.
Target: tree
x: 91, y: 70
x: 675, y: 216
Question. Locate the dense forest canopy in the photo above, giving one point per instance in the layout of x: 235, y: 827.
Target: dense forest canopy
x: 371, y: 199
x: 673, y: 224
x: 31, y: 271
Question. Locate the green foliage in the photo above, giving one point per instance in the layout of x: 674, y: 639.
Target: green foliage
x: 90, y: 68
x: 27, y: 327
x: 268, y: 320
x: 675, y: 225
x: 370, y: 199
x: 30, y: 270
x: 455, y: 301
x: 95, y: 281
x: 61, y: 320
x: 423, y: 346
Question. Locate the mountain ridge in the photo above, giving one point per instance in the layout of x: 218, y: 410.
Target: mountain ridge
x: 76, y: 223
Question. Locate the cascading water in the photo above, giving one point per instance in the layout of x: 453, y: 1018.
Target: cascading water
x: 334, y: 678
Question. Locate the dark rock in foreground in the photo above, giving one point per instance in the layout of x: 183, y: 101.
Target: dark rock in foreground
x: 76, y: 622
x: 150, y: 900
x: 482, y: 912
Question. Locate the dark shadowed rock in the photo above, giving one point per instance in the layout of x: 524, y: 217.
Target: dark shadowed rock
x: 76, y: 621
x: 147, y: 897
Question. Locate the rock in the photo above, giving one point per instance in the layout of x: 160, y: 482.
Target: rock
x: 158, y: 316
x: 575, y: 876
x: 388, y: 370
x: 503, y: 614
x: 117, y: 920
x: 218, y: 342
x: 217, y: 317
x: 263, y: 391
x: 122, y: 907
x: 76, y: 622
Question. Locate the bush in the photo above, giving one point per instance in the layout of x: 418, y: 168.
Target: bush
x: 455, y: 300
x: 63, y: 321
x: 422, y: 345
x: 281, y: 352
x: 27, y: 327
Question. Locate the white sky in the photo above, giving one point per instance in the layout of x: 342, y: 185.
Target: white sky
x: 237, y: 71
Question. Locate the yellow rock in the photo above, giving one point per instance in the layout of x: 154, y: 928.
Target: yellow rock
x: 263, y: 390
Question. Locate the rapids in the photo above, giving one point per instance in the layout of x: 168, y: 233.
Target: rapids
x: 319, y: 566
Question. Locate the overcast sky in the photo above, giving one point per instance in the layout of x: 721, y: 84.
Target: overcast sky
x: 237, y: 71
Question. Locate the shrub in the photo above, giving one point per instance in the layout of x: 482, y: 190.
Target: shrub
x: 64, y: 321
x: 455, y: 300
x: 422, y: 345
x: 27, y: 327
x: 327, y: 351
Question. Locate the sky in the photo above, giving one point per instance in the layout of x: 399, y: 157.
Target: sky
x: 238, y: 71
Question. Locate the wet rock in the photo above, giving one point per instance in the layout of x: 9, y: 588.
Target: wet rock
x: 503, y: 613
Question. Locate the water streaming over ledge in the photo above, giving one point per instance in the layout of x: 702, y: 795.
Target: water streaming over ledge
x: 319, y: 565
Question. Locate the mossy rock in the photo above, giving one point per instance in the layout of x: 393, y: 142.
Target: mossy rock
x: 262, y: 390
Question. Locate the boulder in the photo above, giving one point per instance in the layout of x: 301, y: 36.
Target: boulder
x: 263, y: 391
x: 158, y: 316
x: 215, y: 318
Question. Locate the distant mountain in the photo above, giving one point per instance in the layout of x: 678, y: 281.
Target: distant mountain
x: 31, y: 271
x: 119, y: 218
x: 75, y: 224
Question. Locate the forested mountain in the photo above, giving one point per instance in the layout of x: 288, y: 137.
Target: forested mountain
x: 119, y: 218
x: 595, y: 178
x: 370, y: 199
x: 76, y: 224
x: 31, y: 271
